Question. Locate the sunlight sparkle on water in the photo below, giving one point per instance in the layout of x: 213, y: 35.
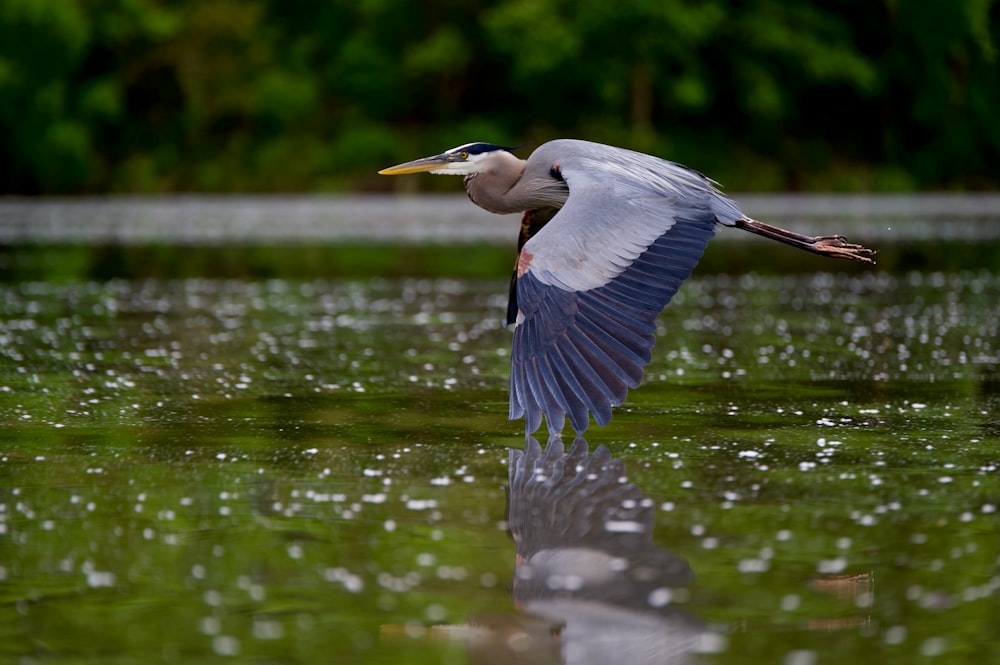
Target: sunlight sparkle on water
x: 270, y: 451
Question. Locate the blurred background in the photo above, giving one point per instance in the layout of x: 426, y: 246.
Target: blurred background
x: 147, y: 96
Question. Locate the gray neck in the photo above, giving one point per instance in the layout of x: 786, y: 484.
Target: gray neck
x: 494, y: 190
x: 515, y: 185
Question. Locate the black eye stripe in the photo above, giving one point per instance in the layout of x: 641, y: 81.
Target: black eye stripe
x: 479, y: 148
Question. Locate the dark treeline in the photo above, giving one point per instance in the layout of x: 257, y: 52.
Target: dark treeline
x: 306, y: 95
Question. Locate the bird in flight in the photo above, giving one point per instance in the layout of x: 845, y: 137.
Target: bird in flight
x: 607, y: 237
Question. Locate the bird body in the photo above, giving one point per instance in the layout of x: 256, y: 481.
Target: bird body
x: 607, y: 237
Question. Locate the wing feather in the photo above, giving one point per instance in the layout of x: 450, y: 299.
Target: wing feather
x: 613, y: 372
x: 587, y: 384
x: 564, y: 388
x: 597, y: 276
x: 555, y: 415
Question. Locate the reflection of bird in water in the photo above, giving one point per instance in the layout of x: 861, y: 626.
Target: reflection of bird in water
x: 590, y: 583
x: 586, y: 559
x: 607, y: 237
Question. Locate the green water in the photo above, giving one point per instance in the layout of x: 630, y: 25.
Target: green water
x: 257, y: 468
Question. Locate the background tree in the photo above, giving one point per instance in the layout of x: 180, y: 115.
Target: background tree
x: 264, y: 95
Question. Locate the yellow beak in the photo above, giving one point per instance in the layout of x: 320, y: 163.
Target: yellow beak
x: 418, y: 165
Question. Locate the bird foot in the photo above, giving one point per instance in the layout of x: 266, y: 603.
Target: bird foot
x: 838, y: 247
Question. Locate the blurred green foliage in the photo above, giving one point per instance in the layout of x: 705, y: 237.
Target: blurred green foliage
x: 266, y: 95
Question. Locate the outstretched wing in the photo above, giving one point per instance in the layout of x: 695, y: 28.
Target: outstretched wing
x: 592, y: 281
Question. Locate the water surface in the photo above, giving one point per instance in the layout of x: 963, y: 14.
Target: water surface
x: 254, y: 451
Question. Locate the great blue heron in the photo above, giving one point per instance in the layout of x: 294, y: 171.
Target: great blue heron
x: 607, y: 237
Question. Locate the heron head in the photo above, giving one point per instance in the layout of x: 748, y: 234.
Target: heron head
x: 468, y: 159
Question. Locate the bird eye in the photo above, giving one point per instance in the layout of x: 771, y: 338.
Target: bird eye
x: 463, y: 155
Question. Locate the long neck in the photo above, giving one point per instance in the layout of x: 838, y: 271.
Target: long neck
x: 494, y: 190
